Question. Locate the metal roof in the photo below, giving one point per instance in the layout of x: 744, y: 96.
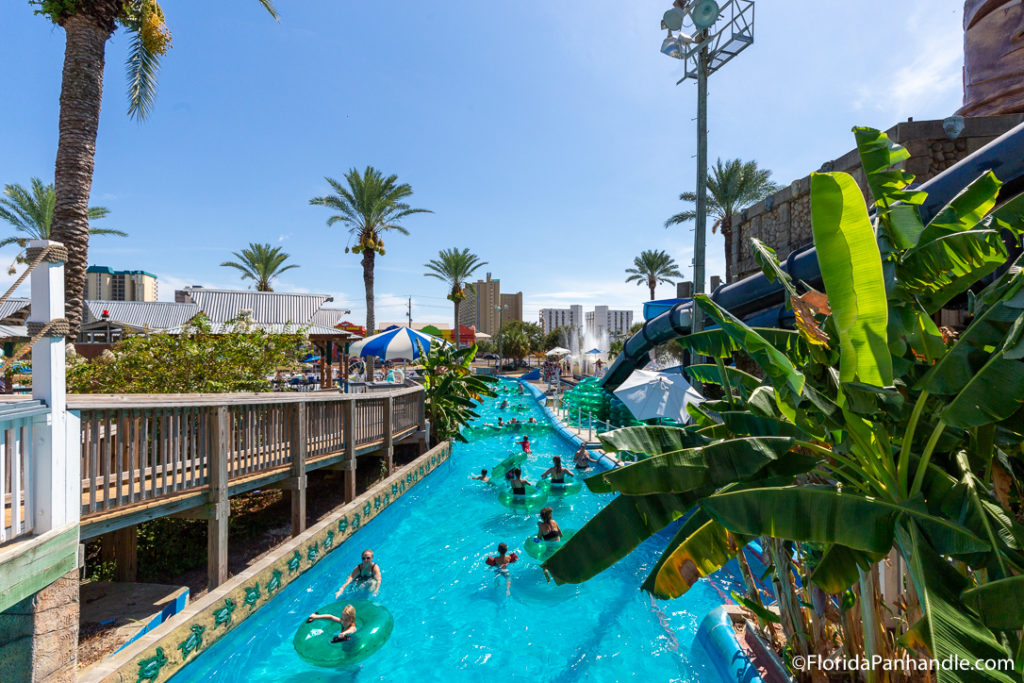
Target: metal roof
x: 221, y: 305
x: 329, y: 317
x: 273, y: 328
x: 14, y: 332
x: 12, y: 306
x: 142, y: 315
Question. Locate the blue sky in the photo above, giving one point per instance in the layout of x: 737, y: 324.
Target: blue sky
x: 548, y: 137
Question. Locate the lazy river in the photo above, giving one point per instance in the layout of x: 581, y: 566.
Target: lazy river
x: 452, y: 621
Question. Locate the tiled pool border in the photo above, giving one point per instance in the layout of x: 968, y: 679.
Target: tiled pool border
x: 160, y: 653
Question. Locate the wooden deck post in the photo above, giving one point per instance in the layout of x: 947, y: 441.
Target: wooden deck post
x: 121, y: 547
x: 349, y: 412
x: 297, y: 484
x: 217, y: 526
x: 388, y: 451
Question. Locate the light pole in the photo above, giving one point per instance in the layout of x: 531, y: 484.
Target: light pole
x: 720, y: 33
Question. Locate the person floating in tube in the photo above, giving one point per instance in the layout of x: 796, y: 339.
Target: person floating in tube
x: 347, y: 621
x: 518, y: 484
x: 557, y: 472
x: 547, y: 527
x: 500, y: 562
x: 366, y: 574
x: 582, y: 458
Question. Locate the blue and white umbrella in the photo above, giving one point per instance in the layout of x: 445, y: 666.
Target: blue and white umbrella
x: 400, y: 342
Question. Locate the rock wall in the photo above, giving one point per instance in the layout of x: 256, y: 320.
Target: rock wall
x: 783, y: 220
x: 39, y: 635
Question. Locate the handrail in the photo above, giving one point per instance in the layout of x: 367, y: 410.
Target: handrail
x: 17, y: 438
x: 113, y: 401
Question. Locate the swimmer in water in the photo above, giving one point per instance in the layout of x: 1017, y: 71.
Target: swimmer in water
x: 481, y: 477
x: 547, y: 527
x: 501, y: 563
x: 557, y: 473
x: 347, y: 621
x: 366, y: 573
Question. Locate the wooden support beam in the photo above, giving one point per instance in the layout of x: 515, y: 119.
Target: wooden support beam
x: 297, y: 428
x: 389, y: 447
x: 121, y: 547
x: 349, y: 413
x: 217, y: 527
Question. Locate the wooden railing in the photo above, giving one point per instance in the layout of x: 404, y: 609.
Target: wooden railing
x: 147, y: 447
x: 17, y: 424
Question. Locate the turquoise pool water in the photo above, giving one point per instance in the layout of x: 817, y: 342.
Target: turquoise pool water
x: 452, y: 621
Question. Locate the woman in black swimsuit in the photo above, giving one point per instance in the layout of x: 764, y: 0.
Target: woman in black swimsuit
x: 519, y: 484
x: 557, y: 473
x: 547, y: 528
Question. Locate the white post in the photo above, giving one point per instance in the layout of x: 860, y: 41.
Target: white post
x: 56, y: 454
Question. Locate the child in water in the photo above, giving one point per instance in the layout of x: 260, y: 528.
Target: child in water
x: 501, y: 563
x: 483, y: 477
x: 525, y: 443
x: 347, y: 621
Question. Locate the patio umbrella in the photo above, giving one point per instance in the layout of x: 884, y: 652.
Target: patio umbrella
x: 558, y: 351
x: 400, y: 342
x: 651, y: 395
x: 592, y: 352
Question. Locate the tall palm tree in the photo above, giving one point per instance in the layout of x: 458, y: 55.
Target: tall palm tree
x: 455, y: 266
x: 370, y: 205
x: 260, y: 263
x: 651, y: 268
x: 30, y: 212
x: 88, y: 24
x: 732, y: 186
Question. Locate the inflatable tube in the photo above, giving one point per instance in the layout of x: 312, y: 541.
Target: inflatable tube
x: 313, y: 643
x: 541, y: 550
x: 569, y: 488
x: 502, y: 468
x: 533, y: 499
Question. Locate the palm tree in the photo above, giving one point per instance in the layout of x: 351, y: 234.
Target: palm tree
x: 732, y: 186
x: 455, y: 266
x: 260, y: 263
x: 370, y: 205
x: 651, y: 268
x: 30, y: 212
x: 88, y: 24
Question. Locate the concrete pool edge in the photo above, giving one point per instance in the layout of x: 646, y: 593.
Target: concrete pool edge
x: 162, y: 652
x: 604, y: 460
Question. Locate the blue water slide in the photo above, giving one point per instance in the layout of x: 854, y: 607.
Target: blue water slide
x: 760, y: 302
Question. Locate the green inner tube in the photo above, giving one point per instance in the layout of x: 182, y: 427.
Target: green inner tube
x: 502, y: 468
x: 569, y: 488
x: 541, y: 550
x: 313, y: 643
x: 534, y: 498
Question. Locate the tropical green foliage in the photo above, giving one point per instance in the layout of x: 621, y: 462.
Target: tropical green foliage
x: 30, y: 212
x: 560, y: 336
x: 455, y: 267
x: 651, y: 268
x: 238, y: 358
x: 260, y: 263
x: 518, y: 339
x: 732, y: 185
x: 872, y: 432
x: 369, y: 204
x: 452, y: 390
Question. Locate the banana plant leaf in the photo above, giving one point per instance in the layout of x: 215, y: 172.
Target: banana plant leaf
x: 700, y: 548
x: 710, y: 466
x: 743, y: 423
x: 822, y: 515
x: 948, y: 628
x: 614, y: 532
x: 938, y: 270
x: 965, y: 210
x: 651, y: 439
x: 851, y: 268
x: 784, y: 375
x: 878, y: 154
x: 710, y: 374
x: 972, y: 350
x: 840, y: 567
x: 1000, y: 603
x: 995, y: 392
x: 716, y: 343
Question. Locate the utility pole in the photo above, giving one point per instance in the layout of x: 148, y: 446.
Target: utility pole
x: 700, y: 231
x: 408, y: 311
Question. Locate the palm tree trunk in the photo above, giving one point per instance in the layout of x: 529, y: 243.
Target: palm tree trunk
x: 368, y: 259
x: 81, y: 93
x: 652, y: 284
x: 730, y: 258
x: 455, y: 328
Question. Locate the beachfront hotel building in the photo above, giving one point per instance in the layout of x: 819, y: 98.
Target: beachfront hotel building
x: 108, y: 284
x: 606, y: 321
x: 480, y: 308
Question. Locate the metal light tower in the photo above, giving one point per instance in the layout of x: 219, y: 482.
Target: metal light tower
x: 719, y: 34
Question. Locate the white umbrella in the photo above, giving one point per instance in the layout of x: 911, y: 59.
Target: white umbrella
x: 400, y: 342
x: 650, y: 395
x: 558, y: 351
